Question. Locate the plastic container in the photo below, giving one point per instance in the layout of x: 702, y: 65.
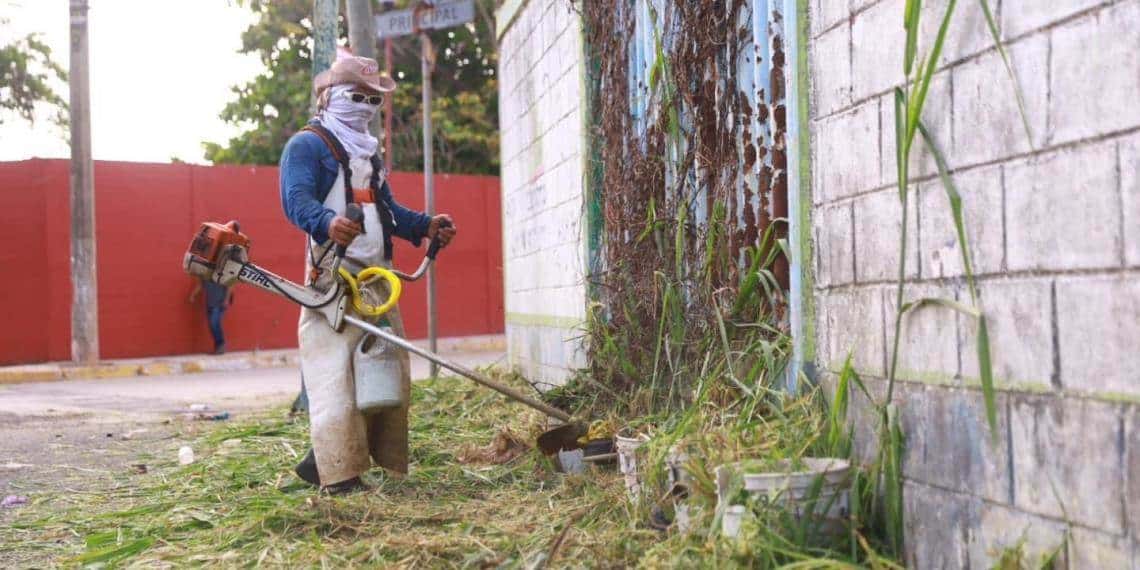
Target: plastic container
x: 378, y: 370
x: 629, y: 456
x: 676, y: 476
x: 793, y: 489
x: 570, y: 461
x: 730, y: 524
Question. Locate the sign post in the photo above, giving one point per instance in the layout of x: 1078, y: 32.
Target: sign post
x: 418, y: 20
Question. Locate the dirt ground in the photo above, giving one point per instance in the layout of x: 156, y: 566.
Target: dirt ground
x: 79, y: 437
x: 239, y: 503
x: 52, y: 431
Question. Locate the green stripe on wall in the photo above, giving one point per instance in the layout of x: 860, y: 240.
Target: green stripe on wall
x: 534, y: 320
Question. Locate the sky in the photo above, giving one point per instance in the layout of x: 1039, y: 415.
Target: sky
x: 161, y: 72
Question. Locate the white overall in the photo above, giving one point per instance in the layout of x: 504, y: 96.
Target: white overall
x: 343, y: 438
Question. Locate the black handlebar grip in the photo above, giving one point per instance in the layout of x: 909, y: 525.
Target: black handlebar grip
x: 354, y: 214
x: 435, y: 245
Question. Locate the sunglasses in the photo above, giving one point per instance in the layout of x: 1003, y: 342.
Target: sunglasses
x: 360, y: 98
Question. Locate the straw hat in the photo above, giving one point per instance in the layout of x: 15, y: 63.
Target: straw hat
x: 360, y: 71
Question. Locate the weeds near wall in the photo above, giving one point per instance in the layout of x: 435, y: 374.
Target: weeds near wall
x: 684, y: 291
x: 688, y: 334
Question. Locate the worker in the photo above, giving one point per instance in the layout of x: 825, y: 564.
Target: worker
x: 218, y: 299
x: 332, y: 161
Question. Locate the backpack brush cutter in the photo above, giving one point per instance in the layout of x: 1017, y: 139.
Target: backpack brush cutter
x: 220, y: 253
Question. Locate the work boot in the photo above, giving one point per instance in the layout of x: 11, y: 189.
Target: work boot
x: 344, y: 487
x: 307, y: 469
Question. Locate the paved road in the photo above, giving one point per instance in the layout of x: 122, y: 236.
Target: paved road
x: 54, y: 434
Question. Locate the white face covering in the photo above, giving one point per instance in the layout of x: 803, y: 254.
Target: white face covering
x: 349, y: 121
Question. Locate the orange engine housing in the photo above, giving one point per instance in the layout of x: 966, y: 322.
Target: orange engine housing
x: 212, y: 238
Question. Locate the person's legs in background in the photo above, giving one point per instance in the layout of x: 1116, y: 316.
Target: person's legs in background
x: 214, y: 316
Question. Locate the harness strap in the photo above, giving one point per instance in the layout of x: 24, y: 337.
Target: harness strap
x: 338, y: 153
x: 387, y: 220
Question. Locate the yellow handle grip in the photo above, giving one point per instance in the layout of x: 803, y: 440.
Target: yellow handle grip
x: 395, y: 287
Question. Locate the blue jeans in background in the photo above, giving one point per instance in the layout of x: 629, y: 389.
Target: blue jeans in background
x: 214, y: 316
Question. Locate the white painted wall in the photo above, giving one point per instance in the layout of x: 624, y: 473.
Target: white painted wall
x: 541, y: 105
x: 1054, y: 229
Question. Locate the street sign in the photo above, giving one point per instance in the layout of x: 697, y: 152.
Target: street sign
x: 443, y: 15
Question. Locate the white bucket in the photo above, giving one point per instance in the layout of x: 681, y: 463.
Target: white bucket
x: 629, y: 457
x: 675, y: 472
x: 790, y: 489
x: 730, y: 524
x: 377, y: 372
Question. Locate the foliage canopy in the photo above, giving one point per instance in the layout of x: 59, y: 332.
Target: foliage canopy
x: 26, y: 72
x: 275, y: 104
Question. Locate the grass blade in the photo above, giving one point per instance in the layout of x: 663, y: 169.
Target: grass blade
x: 728, y: 355
x: 985, y: 367
x: 893, y: 481
x: 679, y: 242
x: 992, y: 25
x: 948, y: 303
x: 115, y: 553
x: 837, y: 440
x: 955, y: 199
x: 914, y: 108
x: 910, y: 23
x: 902, y: 150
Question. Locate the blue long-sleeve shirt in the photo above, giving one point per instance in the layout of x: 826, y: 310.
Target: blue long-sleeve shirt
x: 308, y: 171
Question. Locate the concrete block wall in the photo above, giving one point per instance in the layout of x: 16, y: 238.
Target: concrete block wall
x: 541, y: 113
x: 1053, y: 220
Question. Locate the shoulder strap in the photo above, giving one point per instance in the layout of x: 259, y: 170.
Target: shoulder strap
x: 338, y: 153
x: 387, y: 220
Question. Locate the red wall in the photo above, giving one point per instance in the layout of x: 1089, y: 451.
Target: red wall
x: 145, y: 217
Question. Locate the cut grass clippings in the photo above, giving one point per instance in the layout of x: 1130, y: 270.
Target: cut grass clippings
x: 239, y: 504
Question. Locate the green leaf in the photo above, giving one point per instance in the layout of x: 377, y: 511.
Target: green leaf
x: 914, y: 110
x: 650, y: 221
x: 837, y: 437
x: 750, y: 279
x: 893, y: 480
x: 948, y: 303
x: 910, y: 23
x: 985, y: 367
x: 902, y: 151
x: 115, y: 553
x: 728, y: 355
x: 955, y: 200
x: 992, y: 25
x: 679, y: 241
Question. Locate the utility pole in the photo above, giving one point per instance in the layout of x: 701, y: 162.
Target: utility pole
x: 362, y: 40
x: 426, y: 60
x: 389, y: 158
x: 84, y: 286
x: 324, y: 53
x: 324, y: 38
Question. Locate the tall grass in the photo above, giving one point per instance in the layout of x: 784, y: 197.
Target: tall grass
x: 909, y: 101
